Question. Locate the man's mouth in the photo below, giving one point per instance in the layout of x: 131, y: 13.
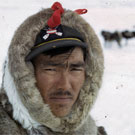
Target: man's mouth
x: 61, y: 99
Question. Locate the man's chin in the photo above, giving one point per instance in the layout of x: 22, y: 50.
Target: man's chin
x: 61, y: 111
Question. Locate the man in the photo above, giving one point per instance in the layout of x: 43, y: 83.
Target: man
x: 51, y: 76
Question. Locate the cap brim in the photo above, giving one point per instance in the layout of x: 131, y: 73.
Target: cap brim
x: 57, y: 44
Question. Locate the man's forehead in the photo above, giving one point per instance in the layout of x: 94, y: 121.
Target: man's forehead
x: 57, y: 62
x: 75, y: 56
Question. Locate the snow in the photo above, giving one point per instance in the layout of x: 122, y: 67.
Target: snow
x: 115, y: 105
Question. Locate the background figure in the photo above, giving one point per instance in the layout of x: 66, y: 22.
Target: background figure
x: 109, y: 37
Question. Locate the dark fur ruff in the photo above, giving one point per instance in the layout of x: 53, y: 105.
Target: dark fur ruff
x: 24, y: 80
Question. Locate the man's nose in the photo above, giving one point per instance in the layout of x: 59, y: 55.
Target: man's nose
x: 64, y: 81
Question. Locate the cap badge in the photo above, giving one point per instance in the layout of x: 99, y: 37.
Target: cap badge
x: 51, y: 31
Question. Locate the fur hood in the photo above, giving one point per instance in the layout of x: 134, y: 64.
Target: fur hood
x: 19, y: 80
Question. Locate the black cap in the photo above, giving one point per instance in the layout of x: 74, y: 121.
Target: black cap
x: 61, y: 36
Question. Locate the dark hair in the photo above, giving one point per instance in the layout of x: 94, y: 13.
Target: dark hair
x: 62, y: 50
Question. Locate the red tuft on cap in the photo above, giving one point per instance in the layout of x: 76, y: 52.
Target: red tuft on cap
x: 81, y: 11
x: 55, y: 19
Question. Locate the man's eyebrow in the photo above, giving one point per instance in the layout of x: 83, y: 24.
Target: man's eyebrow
x: 79, y: 64
x: 51, y: 63
x: 73, y: 65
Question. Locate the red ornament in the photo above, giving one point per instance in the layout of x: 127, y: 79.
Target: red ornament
x: 55, y: 19
x: 81, y: 11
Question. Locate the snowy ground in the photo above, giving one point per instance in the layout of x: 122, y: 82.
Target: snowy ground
x: 115, y: 107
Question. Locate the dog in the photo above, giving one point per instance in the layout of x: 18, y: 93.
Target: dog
x: 111, y: 36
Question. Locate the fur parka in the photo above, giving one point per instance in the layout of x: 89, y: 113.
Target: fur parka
x: 22, y: 110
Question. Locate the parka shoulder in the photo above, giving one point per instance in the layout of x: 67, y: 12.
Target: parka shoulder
x: 8, y: 126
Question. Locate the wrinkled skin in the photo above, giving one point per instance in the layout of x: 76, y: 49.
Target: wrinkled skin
x: 59, y: 79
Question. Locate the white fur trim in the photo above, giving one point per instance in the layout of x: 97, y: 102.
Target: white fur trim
x: 20, y: 113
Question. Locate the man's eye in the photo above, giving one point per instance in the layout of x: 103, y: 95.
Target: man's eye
x: 76, y: 69
x: 50, y: 69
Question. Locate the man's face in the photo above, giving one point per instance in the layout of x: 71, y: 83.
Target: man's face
x: 59, y: 79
